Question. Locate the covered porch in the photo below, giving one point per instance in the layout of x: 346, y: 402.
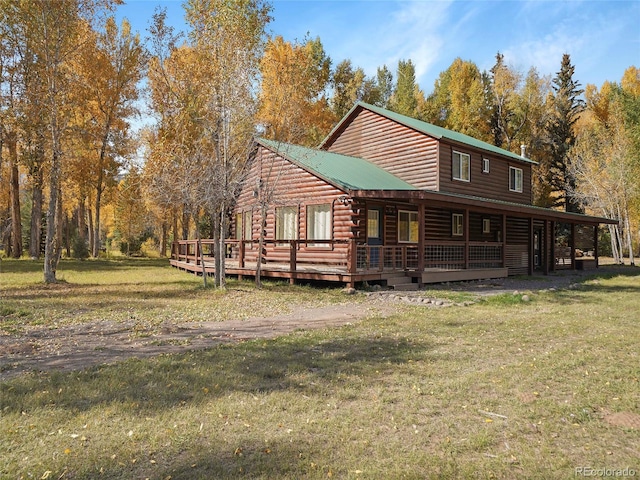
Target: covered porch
x: 403, y: 266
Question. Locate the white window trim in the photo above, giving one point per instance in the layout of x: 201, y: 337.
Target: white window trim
x: 411, y: 213
x: 515, y: 187
x: 457, y: 224
x: 485, y: 165
x: 486, y: 225
x: 247, y: 225
x: 239, y: 226
x: 459, y: 159
x: 311, y: 226
x: 281, y: 232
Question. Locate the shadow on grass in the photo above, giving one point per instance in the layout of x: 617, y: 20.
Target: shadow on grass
x: 292, y: 363
x: 90, y: 265
x: 619, y: 283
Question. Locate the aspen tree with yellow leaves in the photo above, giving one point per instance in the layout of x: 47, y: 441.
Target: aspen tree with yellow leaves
x: 293, y: 104
x: 605, y: 160
x: 207, y: 107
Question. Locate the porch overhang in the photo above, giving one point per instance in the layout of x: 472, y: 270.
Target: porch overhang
x: 441, y: 199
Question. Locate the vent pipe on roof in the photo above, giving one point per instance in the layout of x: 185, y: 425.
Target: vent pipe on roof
x: 523, y: 148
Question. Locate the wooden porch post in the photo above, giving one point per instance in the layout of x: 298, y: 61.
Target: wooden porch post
x: 552, y: 236
x: 503, y: 239
x: 531, y: 246
x: 595, y: 243
x: 241, y: 248
x: 421, y: 239
x: 466, y: 239
x: 352, y: 256
x: 573, y: 246
x: 545, y: 250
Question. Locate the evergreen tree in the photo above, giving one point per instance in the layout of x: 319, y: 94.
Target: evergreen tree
x: 384, y: 85
x: 567, y: 108
x: 404, y: 99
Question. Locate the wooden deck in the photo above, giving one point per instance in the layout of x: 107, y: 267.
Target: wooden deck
x: 396, y: 266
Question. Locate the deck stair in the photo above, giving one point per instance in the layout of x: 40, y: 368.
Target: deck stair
x: 400, y: 281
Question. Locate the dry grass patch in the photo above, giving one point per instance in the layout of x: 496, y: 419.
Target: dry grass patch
x: 141, y: 292
x: 491, y: 390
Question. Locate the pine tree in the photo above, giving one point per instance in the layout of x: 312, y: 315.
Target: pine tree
x: 567, y: 108
x: 404, y: 97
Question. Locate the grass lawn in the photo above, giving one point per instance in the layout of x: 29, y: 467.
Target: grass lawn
x: 498, y: 389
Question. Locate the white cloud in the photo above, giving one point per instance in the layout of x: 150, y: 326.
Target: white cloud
x: 410, y: 30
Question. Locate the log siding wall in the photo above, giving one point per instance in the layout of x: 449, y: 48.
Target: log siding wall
x: 426, y: 162
x: 407, y: 154
x: 493, y: 185
x: 293, y: 186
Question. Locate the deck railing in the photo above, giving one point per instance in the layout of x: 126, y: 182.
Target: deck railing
x: 354, y: 259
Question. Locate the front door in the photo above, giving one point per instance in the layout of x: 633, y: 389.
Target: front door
x: 374, y: 235
x: 538, y: 236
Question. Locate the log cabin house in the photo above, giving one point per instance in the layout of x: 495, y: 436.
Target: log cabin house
x: 390, y: 199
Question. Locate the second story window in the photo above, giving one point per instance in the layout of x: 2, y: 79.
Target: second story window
x: 485, y: 165
x: 461, y: 167
x: 515, y: 179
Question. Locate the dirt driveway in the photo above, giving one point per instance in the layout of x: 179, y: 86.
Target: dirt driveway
x: 79, y: 346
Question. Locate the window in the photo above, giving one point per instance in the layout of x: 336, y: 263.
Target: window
x: 486, y: 225
x: 247, y: 219
x: 243, y: 225
x: 373, y: 223
x: 456, y: 225
x: 485, y: 165
x: 319, y: 223
x: 287, y: 223
x: 407, y: 226
x: 461, y: 166
x: 515, y: 179
x: 238, y: 226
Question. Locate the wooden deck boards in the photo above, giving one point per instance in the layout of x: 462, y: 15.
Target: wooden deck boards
x: 316, y: 272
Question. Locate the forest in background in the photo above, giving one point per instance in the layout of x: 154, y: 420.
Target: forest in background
x: 77, y: 179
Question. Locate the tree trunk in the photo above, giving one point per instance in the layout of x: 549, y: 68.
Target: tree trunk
x: 51, y: 251
x: 201, y: 252
x: 95, y: 247
x: 67, y: 234
x: 627, y: 227
x: 263, y: 226
x: 16, y: 224
x: 217, y: 252
x: 36, y: 214
x: 185, y: 224
x: 90, y: 227
x: 222, y: 281
x: 82, y: 220
x: 60, y: 226
x: 174, y: 225
x: 6, y: 234
x: 163, y: 240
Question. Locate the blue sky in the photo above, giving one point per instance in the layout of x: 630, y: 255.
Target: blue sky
x: 602, y: 37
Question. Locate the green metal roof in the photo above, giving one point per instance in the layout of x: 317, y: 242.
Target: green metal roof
x: 434, y: 131
x: 342, y: 171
